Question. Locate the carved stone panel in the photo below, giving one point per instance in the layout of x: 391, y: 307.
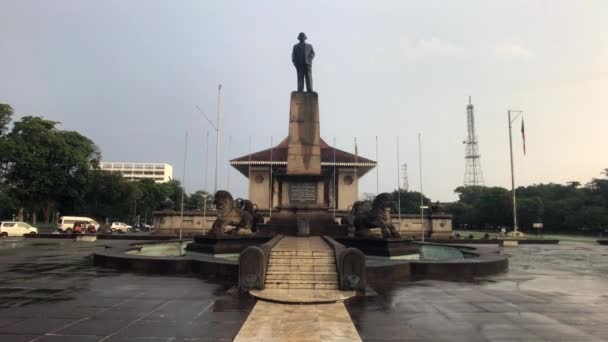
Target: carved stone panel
x: 303, y: 194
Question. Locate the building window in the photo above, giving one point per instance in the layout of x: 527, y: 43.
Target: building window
x: 259, y: 179
x: 348, y: 180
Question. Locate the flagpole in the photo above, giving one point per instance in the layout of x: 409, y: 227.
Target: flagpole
x: 421, y: 195
x: 181, y: 215
x: 217, y: 136
x: 229, y: 146
x: 377, y: 169
x: 271, y: 181
x: 356, y: 160
x: 334, y: 181
x: 512, y: 167
x: 398, y: 185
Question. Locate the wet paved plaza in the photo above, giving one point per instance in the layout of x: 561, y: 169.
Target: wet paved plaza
x: 49, y: 291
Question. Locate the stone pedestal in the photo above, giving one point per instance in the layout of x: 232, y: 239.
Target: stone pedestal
x: 304, y: 149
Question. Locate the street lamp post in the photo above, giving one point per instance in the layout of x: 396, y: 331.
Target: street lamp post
x: 216, y: 126
x: 422, y: 207
x: 512, y: 167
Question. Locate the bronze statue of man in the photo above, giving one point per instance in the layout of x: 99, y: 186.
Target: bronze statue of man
x: 301, y: 57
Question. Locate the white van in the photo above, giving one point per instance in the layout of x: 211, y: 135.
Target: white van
x: 14, y: 228
x: 66, y: 223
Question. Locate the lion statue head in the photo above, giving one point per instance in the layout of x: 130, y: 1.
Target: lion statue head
x: 382, y: 202
x: 223, y: 201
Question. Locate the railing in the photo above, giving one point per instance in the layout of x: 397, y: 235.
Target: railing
x: 253, y: 263
x: 350, y: 264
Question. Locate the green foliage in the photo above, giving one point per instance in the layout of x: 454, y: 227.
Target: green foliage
x: 197, y: 201
x: 45, y: 169
x: 569, y: 207
x: 42, y: 164
x: 6, y: 112
x: 409, y: 201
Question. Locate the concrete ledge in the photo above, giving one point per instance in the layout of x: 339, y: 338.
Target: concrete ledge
x: 603, y: 241
x: 380, y: 247
x: 509, y: 243
x: 205, y: 266
x: 224, y: 245
x: 492, y: 241
x: 104, y: 236
x: 86, y: 238
x: 489, y: 262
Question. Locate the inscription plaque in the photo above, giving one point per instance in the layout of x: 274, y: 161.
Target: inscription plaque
x: 304, y: 193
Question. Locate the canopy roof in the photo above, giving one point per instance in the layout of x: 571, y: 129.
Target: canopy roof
x: 277, y: 156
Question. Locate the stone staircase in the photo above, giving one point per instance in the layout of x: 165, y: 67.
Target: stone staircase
x: 311, y: 267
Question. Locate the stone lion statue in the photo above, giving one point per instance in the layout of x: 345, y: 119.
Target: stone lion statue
x: 228, y: 214
x: 374, y: 219
x: 252, y: 209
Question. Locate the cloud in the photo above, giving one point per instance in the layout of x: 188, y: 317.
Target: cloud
x: 433, y: 47
x: 512, y: 51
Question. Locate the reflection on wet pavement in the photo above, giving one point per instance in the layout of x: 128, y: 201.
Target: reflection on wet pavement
x: 551, y: 292
x: 49, y: 290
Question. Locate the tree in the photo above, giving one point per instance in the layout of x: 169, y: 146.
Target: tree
x: 197, y: 200
x: 485, y: 206
x: 108, y: 196
x: 409, y: 200
x: 43, y: 164
x: 6, y: 112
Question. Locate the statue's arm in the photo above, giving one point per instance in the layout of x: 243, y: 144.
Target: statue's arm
x: 293, y: 55
x: 312, y: 53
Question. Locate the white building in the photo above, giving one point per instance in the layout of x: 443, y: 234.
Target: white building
x: 158, y: 172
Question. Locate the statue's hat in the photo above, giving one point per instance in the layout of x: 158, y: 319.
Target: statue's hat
x: 302, y: 35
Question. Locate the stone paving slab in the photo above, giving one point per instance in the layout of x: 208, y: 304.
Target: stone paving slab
x: 285, y: 322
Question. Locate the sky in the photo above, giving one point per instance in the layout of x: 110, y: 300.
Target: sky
x: 129, y: 75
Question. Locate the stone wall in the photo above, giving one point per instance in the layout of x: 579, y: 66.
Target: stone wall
x: 436, y: 226
x: 194, y: 222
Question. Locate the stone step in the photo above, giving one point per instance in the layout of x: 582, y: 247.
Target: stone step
x: 302, y: 261
x: 301, y: 268
x: 301, y: 284
x: 301, y: 253
x: 309, y: 276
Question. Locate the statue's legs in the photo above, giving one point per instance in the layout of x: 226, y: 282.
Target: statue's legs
x: 309, y: 78
x: 301, y: 72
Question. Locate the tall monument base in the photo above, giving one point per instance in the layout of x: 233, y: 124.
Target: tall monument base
x: 304, y: 149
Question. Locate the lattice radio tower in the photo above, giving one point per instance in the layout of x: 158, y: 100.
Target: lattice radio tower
x: 472, y: 173
x: 406, y: 184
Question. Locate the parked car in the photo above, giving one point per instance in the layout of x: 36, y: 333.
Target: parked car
x: 142, y: 227
x: 66, y: 224
x: 14, y: 228
x: 120, y: 227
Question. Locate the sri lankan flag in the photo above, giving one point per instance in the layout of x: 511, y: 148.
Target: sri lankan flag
x: 523, y: 134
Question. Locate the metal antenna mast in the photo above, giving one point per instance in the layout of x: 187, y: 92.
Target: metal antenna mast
x: 472, y: 173
x: 404, y: 179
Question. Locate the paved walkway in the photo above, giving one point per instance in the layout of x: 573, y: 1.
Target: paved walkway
x: 298, y: 323
x: 292, y: 321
